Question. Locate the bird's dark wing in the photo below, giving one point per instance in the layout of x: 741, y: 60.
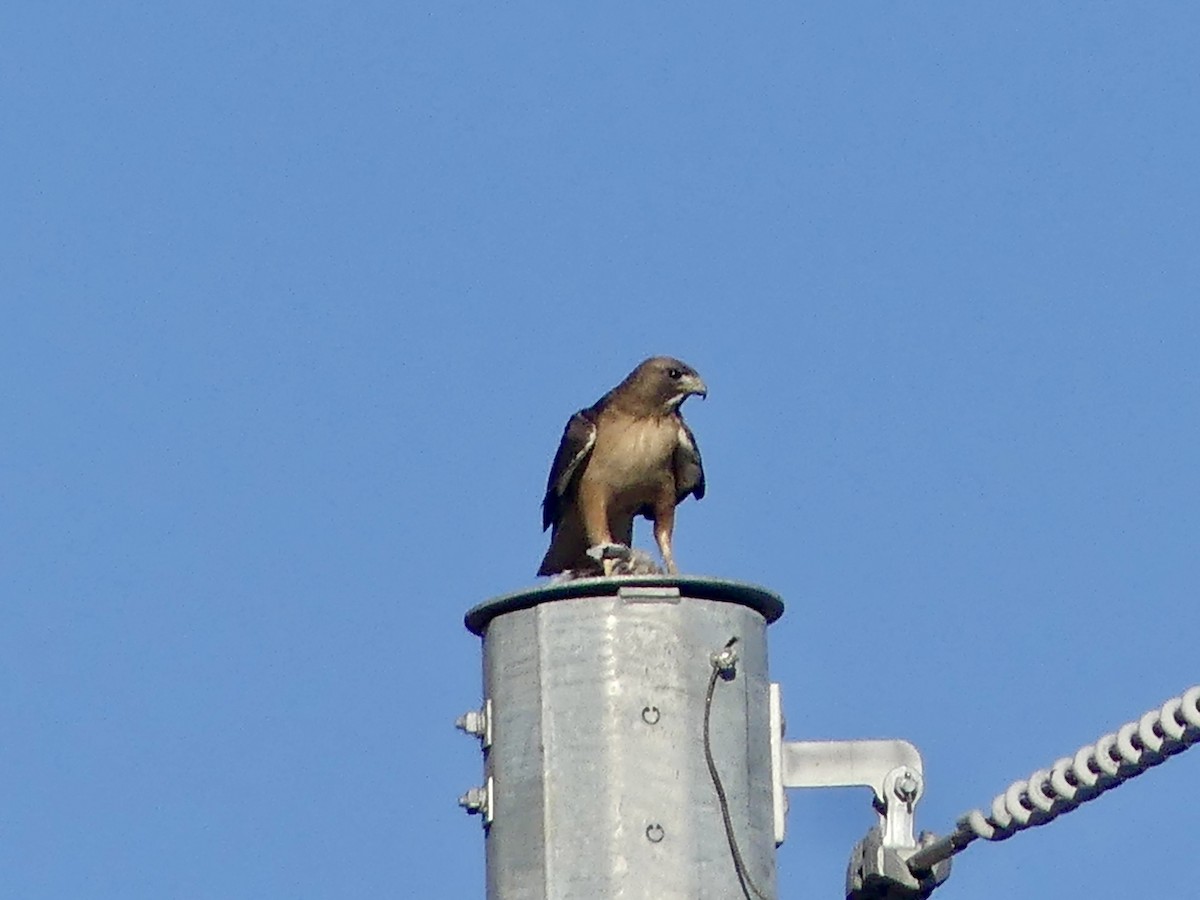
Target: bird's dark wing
x: 689, y: 470
x: 576, y: 445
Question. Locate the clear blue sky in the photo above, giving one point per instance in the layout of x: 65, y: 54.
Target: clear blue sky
x: 298, y: 296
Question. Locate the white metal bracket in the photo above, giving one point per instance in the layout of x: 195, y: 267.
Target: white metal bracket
x: 893, y: 772
x: 891, y: 769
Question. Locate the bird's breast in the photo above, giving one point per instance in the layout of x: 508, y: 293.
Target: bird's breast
x: 633, y: 458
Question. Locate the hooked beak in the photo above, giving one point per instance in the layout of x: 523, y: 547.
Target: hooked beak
x: 698, y: 387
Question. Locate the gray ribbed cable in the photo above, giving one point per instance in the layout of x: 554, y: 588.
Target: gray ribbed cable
x: 1048, y: 793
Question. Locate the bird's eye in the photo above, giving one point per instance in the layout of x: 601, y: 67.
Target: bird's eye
x: 674, y: 373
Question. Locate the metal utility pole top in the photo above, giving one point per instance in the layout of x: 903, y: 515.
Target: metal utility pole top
x: 633, y: 748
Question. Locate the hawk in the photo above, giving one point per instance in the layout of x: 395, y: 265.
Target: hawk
x: 627, y: 455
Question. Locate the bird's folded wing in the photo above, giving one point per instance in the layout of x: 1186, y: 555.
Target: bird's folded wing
x: 577, y: 441
x: 689, y: 470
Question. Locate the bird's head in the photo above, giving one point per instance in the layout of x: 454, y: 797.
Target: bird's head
x: 664, y: 383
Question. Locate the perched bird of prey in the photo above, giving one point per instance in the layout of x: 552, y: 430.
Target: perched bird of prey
x: 627, y: 455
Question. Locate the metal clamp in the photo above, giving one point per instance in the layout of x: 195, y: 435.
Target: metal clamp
x: 893, y: 772
x: 879, y: 872
x: 891, y: 769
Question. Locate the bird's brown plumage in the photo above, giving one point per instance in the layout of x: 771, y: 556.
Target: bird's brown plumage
x: 629, y: 454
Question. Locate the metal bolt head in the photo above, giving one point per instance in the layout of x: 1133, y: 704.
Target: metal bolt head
x: 472, y: 723
x: 474, y: 800
x: 907, y: 787
x: 725, y: 660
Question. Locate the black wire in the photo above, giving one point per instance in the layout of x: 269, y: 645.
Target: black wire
x: 739, y: 865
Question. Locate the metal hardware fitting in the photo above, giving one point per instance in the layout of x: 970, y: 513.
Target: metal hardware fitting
x: 893, y: 772
x: 642, y: 593
x: 478, y: 722
x: 478, y: 801
x: 725, y: 660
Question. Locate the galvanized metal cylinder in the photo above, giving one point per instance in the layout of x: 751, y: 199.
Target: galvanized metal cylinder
x: 599, y: 785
